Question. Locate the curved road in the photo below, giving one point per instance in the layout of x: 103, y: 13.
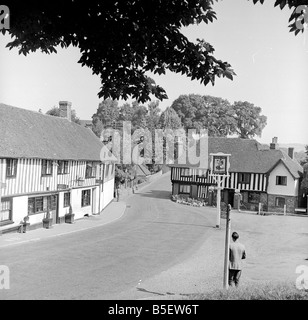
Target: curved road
x: 153, y: 235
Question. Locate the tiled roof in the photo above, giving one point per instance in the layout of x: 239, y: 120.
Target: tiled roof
x: 29, y: 134
x: 86, y: 123
x: 248, y: 155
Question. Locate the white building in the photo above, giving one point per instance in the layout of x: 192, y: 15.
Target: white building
x: 49, y: 162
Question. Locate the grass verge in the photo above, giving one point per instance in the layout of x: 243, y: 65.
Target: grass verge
x: 269, y: 291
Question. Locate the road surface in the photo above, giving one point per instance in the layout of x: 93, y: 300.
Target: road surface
x: 103, y: 263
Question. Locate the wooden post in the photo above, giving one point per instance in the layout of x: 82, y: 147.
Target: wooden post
x: 259, y: 208
x: 218, y: 200
x: 284, y: 209
x: 227, y: 246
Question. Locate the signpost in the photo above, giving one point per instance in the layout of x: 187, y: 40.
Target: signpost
x: 219, y: 170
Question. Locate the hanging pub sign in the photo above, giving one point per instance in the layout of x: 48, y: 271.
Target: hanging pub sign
x: 220, y: 163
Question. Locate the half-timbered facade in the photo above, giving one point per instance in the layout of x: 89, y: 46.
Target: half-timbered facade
x: 49, y: 163
x: 261, y: 174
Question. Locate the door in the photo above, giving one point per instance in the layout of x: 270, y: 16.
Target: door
x: 53, y: 206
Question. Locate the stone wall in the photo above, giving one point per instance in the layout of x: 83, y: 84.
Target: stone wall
x: 291, y: 203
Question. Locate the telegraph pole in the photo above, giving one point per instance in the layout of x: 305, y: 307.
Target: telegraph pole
x: 227, y: 246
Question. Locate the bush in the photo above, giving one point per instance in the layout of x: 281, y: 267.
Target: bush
x: 270, y: 291
x: 185, y: 199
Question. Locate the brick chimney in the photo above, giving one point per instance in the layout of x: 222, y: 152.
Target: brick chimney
x: 291, y: 152
x: 274, y: 144
x: 65, y: 110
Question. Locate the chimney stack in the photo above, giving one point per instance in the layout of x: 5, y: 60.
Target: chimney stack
x: 274, y: 144
x: 291, y: 152
x: 65, y: 110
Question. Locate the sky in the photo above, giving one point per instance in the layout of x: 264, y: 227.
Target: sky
x: 270, y: 63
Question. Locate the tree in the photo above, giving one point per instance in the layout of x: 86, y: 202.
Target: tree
x: 169, y: 119
x: 153, y: 115
x: 219, y: 117
x: 126, y: 112
x: 249, y: 121
x: 305, y: 160
x: 304, y: 183
x: 106, y: 115
x: 122, y: 40
x: 139, y: 119
x: 205, y: 112
x: 55, y: 111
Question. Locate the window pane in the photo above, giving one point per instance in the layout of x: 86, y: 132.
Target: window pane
x: 5, y: 215
x: 184, y: 189
x: 66, y: 167
x: 31, y: 205
x: 39, y: 204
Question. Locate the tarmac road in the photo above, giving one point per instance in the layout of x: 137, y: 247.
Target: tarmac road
x: 108, y: 261
x: 156, y: 250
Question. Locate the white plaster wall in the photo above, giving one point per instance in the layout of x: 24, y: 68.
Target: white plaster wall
x: 107, y: 194
x: 62, y: 211
x: 289, y: 190
x: 76, y: 204
x: 20, y: 210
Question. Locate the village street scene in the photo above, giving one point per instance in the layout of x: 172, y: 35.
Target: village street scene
x: 113, y: 187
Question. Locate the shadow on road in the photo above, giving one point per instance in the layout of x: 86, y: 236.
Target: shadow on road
x: 157, y: 194
x: 183, y: 224
x: 157, y: 293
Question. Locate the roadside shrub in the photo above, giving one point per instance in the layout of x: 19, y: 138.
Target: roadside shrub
x: 269, y: 291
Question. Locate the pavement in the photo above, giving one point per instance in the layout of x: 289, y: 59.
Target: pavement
x: 114, y: 211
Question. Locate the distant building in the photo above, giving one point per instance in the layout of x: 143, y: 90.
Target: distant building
x: 49, y: 162
x: 262, y: 174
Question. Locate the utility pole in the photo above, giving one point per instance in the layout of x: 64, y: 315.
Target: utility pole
x: 227, y: 246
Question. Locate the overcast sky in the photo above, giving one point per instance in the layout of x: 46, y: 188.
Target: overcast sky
x: 270, y: 63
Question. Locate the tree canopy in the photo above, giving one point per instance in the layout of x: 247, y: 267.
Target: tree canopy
x: 55, y: 111
x: 121, y: 41
x: 219, y: 117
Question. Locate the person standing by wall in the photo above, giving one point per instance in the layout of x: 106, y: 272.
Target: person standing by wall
x: 236, y: 254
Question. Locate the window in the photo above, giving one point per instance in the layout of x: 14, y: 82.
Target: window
x: 254, y: 197
x: 90, y: 170
x: 31, y: 205
x: 280, y: 202
x: 40, y: 204
x: 185, y: 173
x: 67, y: 199
x: 281, y: 180
x: 63, y: 167
x: 185, y: 189
x: 46, y: 167
x: 11, y: 168
x: 5, y: 210
x: 86, y: 198
x: 244, y: 178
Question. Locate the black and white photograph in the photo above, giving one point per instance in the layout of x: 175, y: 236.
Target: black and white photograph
x: 154, y: 154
